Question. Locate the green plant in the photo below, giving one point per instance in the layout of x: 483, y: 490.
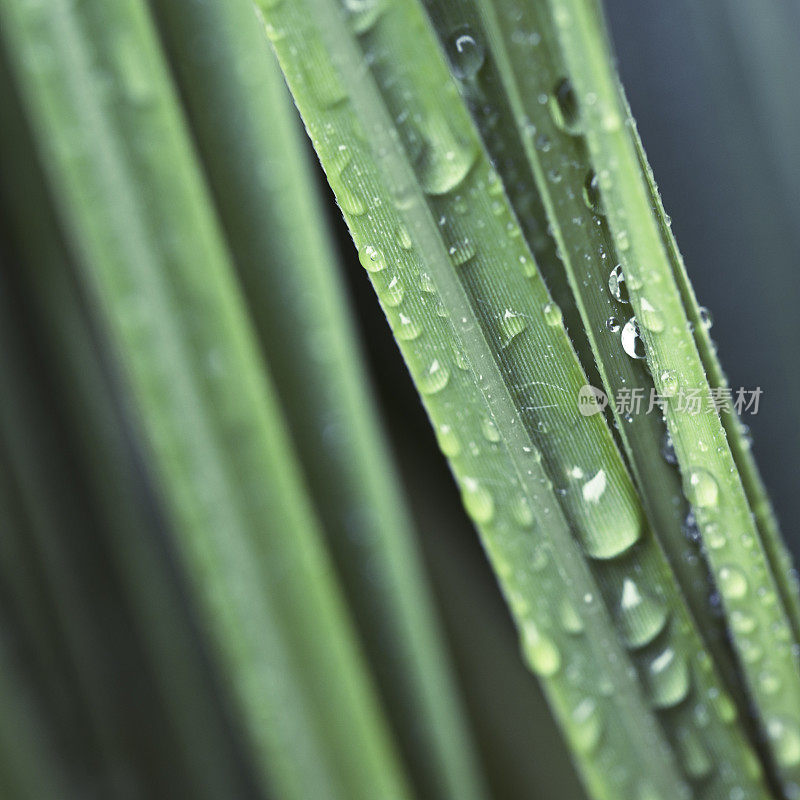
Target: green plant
x: 215, y: 450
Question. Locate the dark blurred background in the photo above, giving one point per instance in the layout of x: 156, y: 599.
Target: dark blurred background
x: 713, y: 89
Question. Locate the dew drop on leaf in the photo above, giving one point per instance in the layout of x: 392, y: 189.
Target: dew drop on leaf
x: 631, y: 338
x: 466, y: 53
x: 617, y: 286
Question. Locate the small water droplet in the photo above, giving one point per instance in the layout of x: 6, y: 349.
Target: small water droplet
x: 641, y: 616
x: 564, y: 107
x: 694, y: 757
x: 552, y: 314
x: 426, y: 283
x: 462, y: 251
x: 489, y: 430
x: 669, y: 383
x: 585, y: 726
x: 703, y: 489
x: 613, y: 324
x: 466, y: 53
x: 392, y: 295
x: 570, y: 619
x: 522, y: 512
x: 617, y: 285
x: 591, y: 192
x: 477, y: 501
x: 669, y: 679
x: 511, y: 325
x: 407, y: 329
x: 732, y: 583
x: 449, y: 443
x: 668, y: 449
x: 372, y: 259
x: 706, y: 318
x: 404, y: 238
x: 785, y: 737
x: 631, y: 338
x: 434, y: 379
x: 541, y: 654
x: 651, y: 317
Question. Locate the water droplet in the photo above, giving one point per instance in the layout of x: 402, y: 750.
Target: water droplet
x: 489, y: 430
x: 541, y: 654
x: 511, y: 325
x: 449, y: 443
x: 669, y: 679
x: 742, y: 622
x: 426, y: 283
x: 593, y: 489
x: 461, y: 252
x: 668, y: 449
x: 703, y: 489
x: 477, y: 501
x: 617, y: 285
x: 693, y: 755
x: 613, y: 324
x: 372, y: 259
x: 706, y: 318
x: 522, y: 512
x: 732, y: 583
x: 363, y: 14
x: 404, y: 238
x: 604, y: 542
x: 631, y: 338
x: 651, y: 317
x: 585, y: 726
x: 669, y: 382
x: 445, y: 159
x: 785, y: 738
x: 407, y: 329
x: 641, y: 616
x: 564, y: 107
x: 570, y: 619
x: 392, y: 295
x: 552, y: 314
x: 466, y: 53
x: 591, y: 192
x: 434, y: 379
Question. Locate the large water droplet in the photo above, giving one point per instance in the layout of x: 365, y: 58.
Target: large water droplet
x: 466, y: 53
x: 610, y: 539
x: 477, y: 501
x: 669, y: 679
x: 631, y: 338
x: 540, y: 653
x: 434, y: 379
x: 522, y: 512
x: 392, y: 294
x: 703, y: 489
x: 641, y: 616
x: 617, y: 285
x: 445, y: 159
x: 462, y: 251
